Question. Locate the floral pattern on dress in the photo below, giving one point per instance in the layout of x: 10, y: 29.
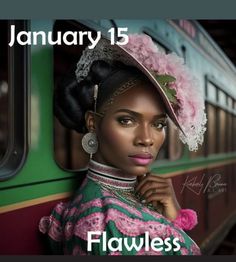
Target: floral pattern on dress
x: 93, y: 209
x: 92, y: 222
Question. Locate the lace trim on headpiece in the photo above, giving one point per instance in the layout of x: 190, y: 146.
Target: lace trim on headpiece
x: 122, y: 89
x: 102, y: 51
x: 184, y: 90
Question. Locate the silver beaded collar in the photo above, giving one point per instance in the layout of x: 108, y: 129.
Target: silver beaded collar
x: 110, y: 176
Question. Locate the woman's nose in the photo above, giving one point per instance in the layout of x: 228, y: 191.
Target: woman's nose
x: 144, y: 137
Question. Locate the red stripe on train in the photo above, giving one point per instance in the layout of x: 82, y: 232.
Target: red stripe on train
x: 19, y: 234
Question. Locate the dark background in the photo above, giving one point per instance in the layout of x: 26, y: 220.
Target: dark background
x: 224, y: 33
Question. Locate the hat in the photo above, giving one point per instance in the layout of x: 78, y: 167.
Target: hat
x: 178, y: 88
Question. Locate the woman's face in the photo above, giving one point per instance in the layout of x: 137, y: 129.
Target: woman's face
x: 132, y: 131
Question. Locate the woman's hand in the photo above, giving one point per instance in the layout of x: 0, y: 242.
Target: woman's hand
x: 159, y: 190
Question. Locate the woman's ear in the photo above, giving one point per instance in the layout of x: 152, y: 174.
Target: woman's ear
x: 90, y: 121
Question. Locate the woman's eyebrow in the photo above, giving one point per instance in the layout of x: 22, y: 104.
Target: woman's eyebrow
x: 139, y: 114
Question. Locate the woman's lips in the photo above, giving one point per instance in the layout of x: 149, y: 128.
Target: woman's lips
x: 141, y: 159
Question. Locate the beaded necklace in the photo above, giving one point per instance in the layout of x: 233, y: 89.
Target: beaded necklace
x: 113, y: 181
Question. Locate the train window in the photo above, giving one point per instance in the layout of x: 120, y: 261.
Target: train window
x: 222, y: 98
x: 13, y: 101
x: 67, y: 144
x: 4, y: 92
x: 211, y: 129
x: 229, y: 133
x: 230, y: 103
x: 221, y: 118
x: 222, y: 131
x: 211, y: 92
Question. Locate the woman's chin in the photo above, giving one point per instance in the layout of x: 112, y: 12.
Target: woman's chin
x: 138, y: 170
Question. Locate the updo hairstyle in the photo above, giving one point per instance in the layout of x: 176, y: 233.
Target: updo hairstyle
x: 73, y: 99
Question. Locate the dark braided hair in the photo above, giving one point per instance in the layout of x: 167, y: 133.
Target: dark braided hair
x: 73, y: 99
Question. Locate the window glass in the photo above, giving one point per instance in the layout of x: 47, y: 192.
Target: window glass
x: 211, y: 92
x: 222, y: 145
x: 4, y: 92
x: 220, y: 125
x: 222, y: 98
x: 229, y: 132
x: 230, y: 103
x: 211, y: 129
x: 67, y: 143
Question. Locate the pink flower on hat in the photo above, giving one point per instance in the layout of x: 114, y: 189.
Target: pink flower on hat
x: 190, y: 114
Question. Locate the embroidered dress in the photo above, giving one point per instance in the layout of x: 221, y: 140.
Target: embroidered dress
x: 105, y: 202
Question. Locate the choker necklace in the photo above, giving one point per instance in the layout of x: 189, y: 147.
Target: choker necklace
x: 116, y: 182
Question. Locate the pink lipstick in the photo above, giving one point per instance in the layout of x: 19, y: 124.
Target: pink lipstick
x: 141, y: 159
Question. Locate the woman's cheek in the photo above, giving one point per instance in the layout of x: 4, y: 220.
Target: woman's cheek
x: 118, y: 136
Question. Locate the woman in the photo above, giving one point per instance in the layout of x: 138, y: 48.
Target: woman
x: 121, y: 101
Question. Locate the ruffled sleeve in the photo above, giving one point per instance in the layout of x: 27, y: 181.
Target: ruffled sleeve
x: 51, y: 225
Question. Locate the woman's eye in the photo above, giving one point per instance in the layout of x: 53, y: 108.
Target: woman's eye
x: 126, y: 121
x: 159, y: 125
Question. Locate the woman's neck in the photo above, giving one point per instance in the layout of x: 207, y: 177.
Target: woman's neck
x: 110, y: 175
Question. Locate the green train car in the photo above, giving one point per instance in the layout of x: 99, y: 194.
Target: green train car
x: 41, y: 162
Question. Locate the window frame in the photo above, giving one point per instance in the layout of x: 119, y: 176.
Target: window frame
x: 219, y: 108
x: 19, y: 65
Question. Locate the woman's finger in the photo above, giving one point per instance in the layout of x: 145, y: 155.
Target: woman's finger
x: 150, y: 178
x: 162, y: 197
x: 153, y: 188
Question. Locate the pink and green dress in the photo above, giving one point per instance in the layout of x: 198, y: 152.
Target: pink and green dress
x: 103, y: 204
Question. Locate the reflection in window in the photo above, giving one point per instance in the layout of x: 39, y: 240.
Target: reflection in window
x: 3, y: 88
